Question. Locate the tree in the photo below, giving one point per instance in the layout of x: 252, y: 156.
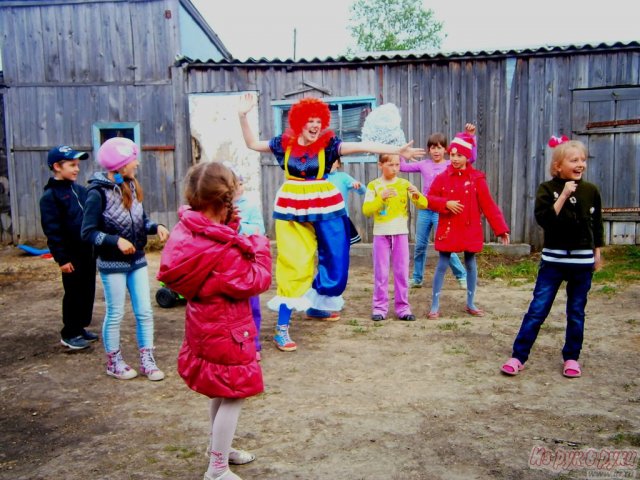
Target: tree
x: 383, y: 25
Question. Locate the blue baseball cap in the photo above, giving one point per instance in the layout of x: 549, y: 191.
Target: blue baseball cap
x: 62, y: 153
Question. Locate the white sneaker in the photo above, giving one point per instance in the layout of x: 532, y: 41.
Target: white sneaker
x: 463, y: 283
x: 226, y: 475
x: 118, y: 368
x: 240, y: 457
x: 148, y: 365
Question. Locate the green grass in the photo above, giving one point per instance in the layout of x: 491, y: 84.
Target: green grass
x: 357, y: 327
x: 448, y: 326
x: 181, y: 452
x: 552, y: 328
x: 456, y: 350
x: 621, y: 265
x: 632, y: 439
x: 608, y: 290
x: 525, y: 269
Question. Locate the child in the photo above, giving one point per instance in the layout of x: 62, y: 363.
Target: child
x: 251, y: 223
x: 61, y: 211
x: 345, y: 182
x: 217, y: 270
x: 387, y: 199
x: 309, y: 212
x: 428, y: 219
x: 569, y: 210
x: 460, y: 195
x: 115, y: 222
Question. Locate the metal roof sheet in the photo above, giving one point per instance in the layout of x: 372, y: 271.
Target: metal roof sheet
x: 414, y: 55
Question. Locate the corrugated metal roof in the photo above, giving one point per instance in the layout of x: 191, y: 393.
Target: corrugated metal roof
x: 413, y: 55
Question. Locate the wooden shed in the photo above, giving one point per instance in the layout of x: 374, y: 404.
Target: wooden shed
x: 517, y: 99
x: 76, y: 72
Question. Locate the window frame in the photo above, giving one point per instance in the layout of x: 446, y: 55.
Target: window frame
x: 278, y: 106
x: 98, y: 127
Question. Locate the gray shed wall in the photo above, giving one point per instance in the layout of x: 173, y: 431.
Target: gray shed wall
x: 69, y: 64
x: 517, y: 102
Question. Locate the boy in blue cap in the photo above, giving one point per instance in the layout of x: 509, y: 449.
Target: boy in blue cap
x: 61, y: 212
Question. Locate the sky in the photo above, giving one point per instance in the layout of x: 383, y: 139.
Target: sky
x: 265, y: 28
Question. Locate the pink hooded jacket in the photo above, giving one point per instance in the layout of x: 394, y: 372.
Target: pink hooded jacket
x: 217, y: 270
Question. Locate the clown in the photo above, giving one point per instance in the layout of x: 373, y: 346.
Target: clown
x: 309, y: 212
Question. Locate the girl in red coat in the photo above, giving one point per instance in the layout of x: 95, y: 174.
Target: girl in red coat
x: 460, y: 195
x: 217, y: 270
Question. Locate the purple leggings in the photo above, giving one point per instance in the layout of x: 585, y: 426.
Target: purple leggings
x: 391, y: 250
x: 257, y: 318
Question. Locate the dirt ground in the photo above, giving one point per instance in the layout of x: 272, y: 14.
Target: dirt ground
x: 358, y: 400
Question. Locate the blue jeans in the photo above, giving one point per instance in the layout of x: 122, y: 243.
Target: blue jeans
x: 115, y: 286
x: 427, y: 220
x: 438, y: 279
x: 550, y: 276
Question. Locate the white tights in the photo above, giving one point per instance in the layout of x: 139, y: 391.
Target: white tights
x: 225, y: 413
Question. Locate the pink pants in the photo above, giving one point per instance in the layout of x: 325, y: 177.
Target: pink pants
x: 396, y: 249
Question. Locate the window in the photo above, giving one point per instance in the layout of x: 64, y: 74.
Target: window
x: 347, y: 119
x: 103, y: 131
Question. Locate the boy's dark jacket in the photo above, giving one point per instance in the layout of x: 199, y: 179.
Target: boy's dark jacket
x: 579, y: 223
x: 61, y: 212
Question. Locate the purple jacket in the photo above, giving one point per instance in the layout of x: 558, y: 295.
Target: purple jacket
x: 428, y: 170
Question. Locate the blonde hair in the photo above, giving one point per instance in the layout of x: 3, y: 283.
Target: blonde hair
x: 561, y: 152
x: 210, y: 185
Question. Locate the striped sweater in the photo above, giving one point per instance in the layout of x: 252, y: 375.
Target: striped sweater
x: 571, y: 235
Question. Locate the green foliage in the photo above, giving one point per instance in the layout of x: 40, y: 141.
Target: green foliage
x: 384, y: 25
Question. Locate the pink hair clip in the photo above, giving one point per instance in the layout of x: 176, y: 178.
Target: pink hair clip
x: 555, y: 141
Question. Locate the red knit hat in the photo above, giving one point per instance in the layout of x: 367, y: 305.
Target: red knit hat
x: 463, y: 144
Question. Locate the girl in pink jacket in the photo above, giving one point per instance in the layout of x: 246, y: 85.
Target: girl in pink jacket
x: 460, y: 195
x: 217, y: 270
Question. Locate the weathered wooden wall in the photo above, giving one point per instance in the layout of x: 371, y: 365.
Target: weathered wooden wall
x: 517, y: 101
x: 68, y: 64
x: 5, y: 204
x: 88, y: 62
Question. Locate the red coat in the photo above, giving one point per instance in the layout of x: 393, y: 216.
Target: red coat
x: 463, y: 232
x: 217, y: 270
